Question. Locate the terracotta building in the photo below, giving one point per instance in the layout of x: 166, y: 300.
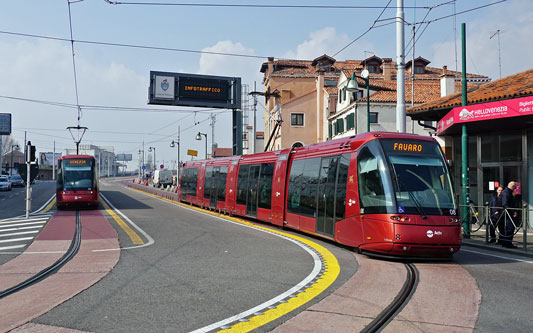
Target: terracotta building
x: 315, y: 106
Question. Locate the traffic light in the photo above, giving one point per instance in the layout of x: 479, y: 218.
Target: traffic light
x: 30, y: 153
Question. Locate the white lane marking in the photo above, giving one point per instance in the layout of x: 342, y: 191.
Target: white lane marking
x: 22, y: 228
x: 11, y: 247
x: 15, y: 239
x: 24, y: 220
x: 20, y: 224
x: 20, y: 233
x: 314, y: 273
x: 497, y: 256
x: 150, y: 239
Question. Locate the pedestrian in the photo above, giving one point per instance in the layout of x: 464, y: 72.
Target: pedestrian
x: 495, y: 211
x: 511, y: 215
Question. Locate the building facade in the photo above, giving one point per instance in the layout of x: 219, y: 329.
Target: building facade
x: 105, y: 158
x: 499, y: 123
x: 312, y: 102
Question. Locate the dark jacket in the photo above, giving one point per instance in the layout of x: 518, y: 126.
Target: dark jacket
x: 508, y: 200
x: 495, y: 205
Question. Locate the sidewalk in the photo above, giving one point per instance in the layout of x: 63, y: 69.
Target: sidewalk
x: 478, y: 239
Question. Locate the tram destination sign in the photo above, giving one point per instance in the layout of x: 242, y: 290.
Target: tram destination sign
x: 5, y: 123
x: 194, y: 90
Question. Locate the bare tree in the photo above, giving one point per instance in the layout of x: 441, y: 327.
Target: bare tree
x: 7, y: 143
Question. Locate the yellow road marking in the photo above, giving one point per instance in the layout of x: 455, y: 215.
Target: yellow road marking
x: 132, y: 234
x: 331, y: 265
x: 49, y: 206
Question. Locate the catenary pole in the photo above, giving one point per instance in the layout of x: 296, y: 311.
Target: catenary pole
x: 400, y: 63
x: 464, y: 140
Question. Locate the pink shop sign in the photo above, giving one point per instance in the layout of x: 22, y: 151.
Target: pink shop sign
x: 495, y: 110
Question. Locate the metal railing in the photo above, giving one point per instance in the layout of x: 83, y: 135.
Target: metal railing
x: 510, y: 220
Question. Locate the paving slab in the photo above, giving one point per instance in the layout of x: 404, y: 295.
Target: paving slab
x: 84, y: 270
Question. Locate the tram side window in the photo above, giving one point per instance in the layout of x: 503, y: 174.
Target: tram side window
x: 242, y: 184
x: 265, y: 185
x: 309, y: 187
x: 194, y: 181
x: 59, y: 182
x: 209, y: 181
x: 295, y: 184
x: 340, y: 206
x: 222, y: 177
x: 371, y: 192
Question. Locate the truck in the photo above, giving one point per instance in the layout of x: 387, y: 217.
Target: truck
x: 162, y: 178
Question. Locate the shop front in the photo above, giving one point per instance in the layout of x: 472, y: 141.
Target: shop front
x: 500, y: 147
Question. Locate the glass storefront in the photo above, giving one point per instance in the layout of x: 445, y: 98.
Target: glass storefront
x: 495, y: 160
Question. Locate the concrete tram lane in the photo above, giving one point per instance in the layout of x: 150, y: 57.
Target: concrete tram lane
x: 84, y: 270
x: 200, y: 270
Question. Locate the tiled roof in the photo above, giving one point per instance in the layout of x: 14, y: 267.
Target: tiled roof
x: 512, y: 86
x: 331, y: 90
x: 425, y: 91
x: 288, y: 67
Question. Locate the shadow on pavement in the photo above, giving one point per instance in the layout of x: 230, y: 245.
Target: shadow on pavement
x: 122, y: 201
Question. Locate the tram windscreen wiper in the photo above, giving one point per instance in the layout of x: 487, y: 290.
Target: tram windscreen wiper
x: 412, y: 196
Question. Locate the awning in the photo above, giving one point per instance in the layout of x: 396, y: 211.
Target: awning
x: 500, y: 115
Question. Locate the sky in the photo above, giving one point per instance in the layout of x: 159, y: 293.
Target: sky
x: 35, y: 69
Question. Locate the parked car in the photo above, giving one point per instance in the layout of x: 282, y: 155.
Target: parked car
x: 5, y: 184
x: 162, y: 178
x: 16, y: 180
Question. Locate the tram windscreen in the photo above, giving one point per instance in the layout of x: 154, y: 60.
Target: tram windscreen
x: 77, y: 174
x: 420, y: 177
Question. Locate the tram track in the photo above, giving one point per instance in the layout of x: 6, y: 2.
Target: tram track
x: 388, y: 314
x: 71, y: 252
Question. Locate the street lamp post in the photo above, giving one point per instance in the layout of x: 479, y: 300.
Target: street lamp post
x: 13, y: 147
x: 352, y: 86
x: 150, y: 150
x: 199, y: 137
x: 172, y: 145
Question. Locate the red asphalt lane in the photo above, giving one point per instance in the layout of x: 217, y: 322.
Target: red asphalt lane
x: 81, y: 272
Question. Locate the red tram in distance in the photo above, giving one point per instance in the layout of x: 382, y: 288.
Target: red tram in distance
x: 77, y: 182
x: 383, y: 193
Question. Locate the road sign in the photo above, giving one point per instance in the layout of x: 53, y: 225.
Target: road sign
x: 34, y: 171
x: 5, y: 123
x: 161, y: 166
x: 124, y: 157
x: 144, y: 167
x: 192, y: 152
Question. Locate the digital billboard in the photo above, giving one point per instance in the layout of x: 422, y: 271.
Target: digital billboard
x: 194, y: 90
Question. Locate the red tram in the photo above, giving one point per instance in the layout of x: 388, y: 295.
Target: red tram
x: 384, y: 193
x: 77, y: 182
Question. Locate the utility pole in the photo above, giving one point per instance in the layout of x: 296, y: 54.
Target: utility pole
x: 499, y: 50
x: 212, y: 124
x: 400, y: 63
x: 54, y: 162
x: 464, y: 141
x: 255, y: 118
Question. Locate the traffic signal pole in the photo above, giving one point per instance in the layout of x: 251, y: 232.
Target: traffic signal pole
x: 30, y: 156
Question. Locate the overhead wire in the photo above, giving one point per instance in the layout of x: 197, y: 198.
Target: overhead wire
x: 189, y: 4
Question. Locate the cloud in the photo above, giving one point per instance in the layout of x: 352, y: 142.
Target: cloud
x: 42, y: 70
x: 514, y: 22
x: 246, y: 68
x: 320, y: 42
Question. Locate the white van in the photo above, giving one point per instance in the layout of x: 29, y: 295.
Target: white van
x: 162, y: 178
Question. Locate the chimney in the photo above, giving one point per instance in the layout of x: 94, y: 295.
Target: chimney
x: 447, y: 82
x: 270, y: 65
x: 387, y: 69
